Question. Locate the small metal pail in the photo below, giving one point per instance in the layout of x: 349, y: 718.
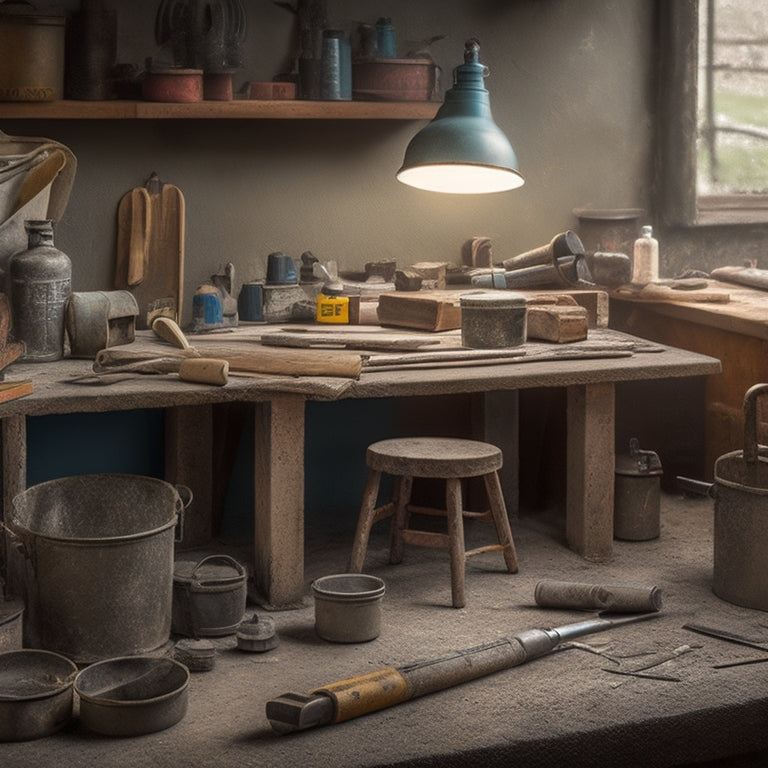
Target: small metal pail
x: 741, y: 517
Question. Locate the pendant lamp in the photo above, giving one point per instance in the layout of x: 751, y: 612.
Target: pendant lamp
x: 462, y: 150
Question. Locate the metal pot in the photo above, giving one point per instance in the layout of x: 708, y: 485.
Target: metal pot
x: 741, y: 517
x: 35, y: 694
x: 132, y: 695
x: 209, y: 596
x: 99, y: 563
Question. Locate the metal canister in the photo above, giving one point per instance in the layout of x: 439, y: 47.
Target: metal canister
x: 637, y: 494
x: 493, y: 320
x: 41, y: 282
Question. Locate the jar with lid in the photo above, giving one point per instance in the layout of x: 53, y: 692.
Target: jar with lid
x: 40, y: 284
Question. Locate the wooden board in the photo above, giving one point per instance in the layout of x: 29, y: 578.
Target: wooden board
x: 150, y: 250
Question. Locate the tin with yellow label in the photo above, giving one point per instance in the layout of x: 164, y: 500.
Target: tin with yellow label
x: 332, y: 309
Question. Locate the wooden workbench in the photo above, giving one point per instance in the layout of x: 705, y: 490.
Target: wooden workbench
x: 279, y: 403
x: 735, y: 332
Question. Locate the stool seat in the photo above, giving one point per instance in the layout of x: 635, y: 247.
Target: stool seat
x: 450, y: 459
x: 437, y: 457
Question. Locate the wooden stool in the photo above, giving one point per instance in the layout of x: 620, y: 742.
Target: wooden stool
x: 433, y: 457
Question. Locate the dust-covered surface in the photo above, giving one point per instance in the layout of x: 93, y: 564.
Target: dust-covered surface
x: 646, y: 694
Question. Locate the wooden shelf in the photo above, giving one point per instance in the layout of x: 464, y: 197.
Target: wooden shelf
x: 244, y: 109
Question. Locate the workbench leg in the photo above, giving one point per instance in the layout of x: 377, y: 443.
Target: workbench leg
x: 590, y: 470
x: 279, y: 501
x: 14, y: 437
x: 188, y: 461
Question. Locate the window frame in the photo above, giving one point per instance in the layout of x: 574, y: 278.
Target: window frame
x: 679, y: 203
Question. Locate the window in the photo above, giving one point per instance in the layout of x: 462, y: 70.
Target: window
x: 714, y: 97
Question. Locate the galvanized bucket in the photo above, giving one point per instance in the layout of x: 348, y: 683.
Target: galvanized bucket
x: 741, y: 517
x: 98, y: 563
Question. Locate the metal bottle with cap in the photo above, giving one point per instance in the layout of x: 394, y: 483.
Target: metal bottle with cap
x: 40, y: 284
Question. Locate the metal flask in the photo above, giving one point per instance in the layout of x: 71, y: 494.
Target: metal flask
x: 41, y: 282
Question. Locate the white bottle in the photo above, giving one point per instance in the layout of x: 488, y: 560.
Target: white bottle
x: 646, y: 258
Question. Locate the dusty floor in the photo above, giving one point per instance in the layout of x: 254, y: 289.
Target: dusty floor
x: 565, y: 708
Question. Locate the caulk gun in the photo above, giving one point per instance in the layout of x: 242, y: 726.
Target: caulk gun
x: 356, y: 696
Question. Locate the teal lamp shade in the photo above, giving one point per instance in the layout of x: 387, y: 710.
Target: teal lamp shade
x: 462, y: 150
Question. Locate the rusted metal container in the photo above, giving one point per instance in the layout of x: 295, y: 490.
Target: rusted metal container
x: 41, y: 282
x: 348, y: 607
x: 96, y: 320
x: 741, y: 517
x: 32, y: 60
x: 393, y: 79
x: 493, y: 320
x: 209, y: 596
x: 637, y: 495
x: 98, y: 563
x: 35, y: 694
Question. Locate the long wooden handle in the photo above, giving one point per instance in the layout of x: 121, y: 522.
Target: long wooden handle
x: 258, y: 359
x: 290, y: 362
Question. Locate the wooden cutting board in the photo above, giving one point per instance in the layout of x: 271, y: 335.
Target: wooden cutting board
x: 150, y: 250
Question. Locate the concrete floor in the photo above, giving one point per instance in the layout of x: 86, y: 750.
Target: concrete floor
x: 562, y: 709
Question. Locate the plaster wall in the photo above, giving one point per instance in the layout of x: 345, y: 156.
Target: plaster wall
x: 571, y: 83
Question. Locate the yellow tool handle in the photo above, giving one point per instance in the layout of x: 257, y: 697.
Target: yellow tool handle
x: 366, y: 693
x: 204, y: 370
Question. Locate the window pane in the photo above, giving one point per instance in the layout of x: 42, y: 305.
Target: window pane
x: 732, y: 141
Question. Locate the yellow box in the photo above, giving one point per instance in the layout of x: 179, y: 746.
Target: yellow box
x: 332, y: 309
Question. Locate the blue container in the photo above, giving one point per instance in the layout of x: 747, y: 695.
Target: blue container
x: 336, y: 75
x: 385, y: 39
x: 250, y: 302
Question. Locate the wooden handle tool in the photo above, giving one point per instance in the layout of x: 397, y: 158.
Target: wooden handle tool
x: 273, y: 360
x: 201, y: 370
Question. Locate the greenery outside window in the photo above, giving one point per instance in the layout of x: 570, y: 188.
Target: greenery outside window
x: 714, y: 109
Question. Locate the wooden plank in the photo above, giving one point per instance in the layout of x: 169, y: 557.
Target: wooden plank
x: 236, y: 109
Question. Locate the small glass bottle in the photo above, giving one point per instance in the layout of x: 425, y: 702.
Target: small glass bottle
x: 41, y: 281
x: 645, y: 267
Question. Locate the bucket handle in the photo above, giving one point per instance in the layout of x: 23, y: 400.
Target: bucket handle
x: 185, y: 499
x: 16, y: 541
x: 226, y: 558
x: 751, y: 448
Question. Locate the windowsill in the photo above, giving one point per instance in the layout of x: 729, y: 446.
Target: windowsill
x: 732, y: 209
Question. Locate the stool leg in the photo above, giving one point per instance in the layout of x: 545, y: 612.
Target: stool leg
x: 500, y: 520
x: 401, y: 499
x: 456, y: 539
x: 364, y: 521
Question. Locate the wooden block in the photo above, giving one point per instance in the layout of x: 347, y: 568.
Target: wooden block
x: 557, y: 322
x: 433, y: 273
x: 419, y: 311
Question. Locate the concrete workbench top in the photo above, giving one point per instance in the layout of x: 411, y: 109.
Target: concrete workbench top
x: 639, y: 360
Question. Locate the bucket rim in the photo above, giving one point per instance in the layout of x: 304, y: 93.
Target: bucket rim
x: 19, y: 528
x: 733, y: 456
x: 377, y: 587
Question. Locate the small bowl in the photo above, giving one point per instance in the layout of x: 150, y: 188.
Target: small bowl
x: 35, y: 694
x: 132, y: 695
